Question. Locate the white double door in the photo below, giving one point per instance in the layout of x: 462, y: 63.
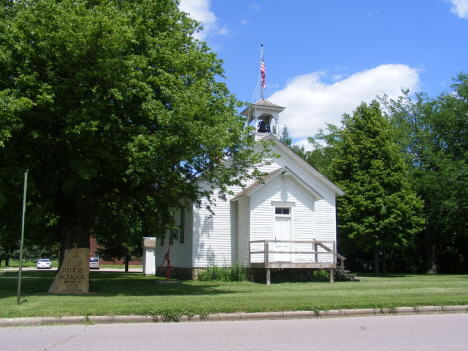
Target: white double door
x: 281, y: 231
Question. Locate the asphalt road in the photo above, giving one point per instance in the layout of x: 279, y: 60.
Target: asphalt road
x: 401, y: 332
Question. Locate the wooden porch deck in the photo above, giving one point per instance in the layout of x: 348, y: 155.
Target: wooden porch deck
x: 310, y: 254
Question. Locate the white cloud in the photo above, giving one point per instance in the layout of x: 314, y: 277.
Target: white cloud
x: 459, y: 8
x: 337, y: 77
x: 225, y: 31
x: 199, y: 10
x: 310, y: 103
x: 244, y: 22
x: 305, y: 143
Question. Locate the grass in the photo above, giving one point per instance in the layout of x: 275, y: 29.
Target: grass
x: 134, y: 294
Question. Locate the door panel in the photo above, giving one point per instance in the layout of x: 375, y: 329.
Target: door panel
x: 282, y: 231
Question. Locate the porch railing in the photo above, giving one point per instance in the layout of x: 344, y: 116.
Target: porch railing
x: 294, y: 253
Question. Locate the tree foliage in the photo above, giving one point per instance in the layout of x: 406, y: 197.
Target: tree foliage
x: 433, y: 137
x: 112, y: 106
x: 379, y: 212
x: 323, y: 148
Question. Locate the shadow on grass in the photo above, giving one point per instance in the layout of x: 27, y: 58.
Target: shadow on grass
x: 107, y: 284
x: 390, y: 275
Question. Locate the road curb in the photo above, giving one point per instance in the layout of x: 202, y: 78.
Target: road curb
x: 72, y: 320
x: 119, y: 319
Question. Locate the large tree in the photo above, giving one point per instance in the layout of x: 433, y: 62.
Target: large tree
x: 324, y: 148
x: 379, y: 212
x: 111, y: 106
x: 433, y: 137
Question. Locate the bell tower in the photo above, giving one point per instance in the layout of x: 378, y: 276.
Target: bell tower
x: 263, y: 113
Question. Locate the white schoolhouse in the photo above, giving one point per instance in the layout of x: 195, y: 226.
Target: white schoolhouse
x: 287, y: 220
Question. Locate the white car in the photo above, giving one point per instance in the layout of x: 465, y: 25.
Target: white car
x: 44, y: 263
x: 94, y: 263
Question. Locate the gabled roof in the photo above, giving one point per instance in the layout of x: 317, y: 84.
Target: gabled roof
x: 248, y: 191
x: 256, y: 184
x: 306, y: 165
x: 261, y: 102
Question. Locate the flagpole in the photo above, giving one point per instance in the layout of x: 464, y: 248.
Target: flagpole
x: 262, y: 70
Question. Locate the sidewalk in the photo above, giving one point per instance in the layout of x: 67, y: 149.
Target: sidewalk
x: 13, y: 322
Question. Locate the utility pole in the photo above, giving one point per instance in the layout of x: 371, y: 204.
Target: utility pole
x: 22, y: 238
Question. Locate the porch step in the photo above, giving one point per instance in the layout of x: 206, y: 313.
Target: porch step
x: 346, y: 274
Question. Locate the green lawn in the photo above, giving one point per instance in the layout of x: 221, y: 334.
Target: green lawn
x: 135, y: 294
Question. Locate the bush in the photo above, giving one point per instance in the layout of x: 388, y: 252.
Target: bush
x: 235, y: 273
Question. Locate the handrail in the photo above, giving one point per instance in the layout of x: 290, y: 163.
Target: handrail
x: 339, y: 256
x: 317, y: 243
x: 293, y: 241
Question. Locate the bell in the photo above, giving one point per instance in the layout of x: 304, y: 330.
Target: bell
x: 263, y: 127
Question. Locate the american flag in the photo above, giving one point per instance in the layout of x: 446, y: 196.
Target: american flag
x: 262, y: 72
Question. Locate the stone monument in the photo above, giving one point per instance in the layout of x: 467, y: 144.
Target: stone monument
x: 73, y: 274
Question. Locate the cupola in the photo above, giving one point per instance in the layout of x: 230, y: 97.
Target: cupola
x: 263, y: 113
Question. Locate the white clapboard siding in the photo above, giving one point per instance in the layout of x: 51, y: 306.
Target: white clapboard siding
x: 324, y: 220
x: 181, y: 253
x: 282, y: 192
x: 233, y: 220
x: 325, y: 210
x: 243, y: 230
x: 213, y: 240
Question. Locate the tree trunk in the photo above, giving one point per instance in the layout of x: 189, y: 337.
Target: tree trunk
x: 433, y: 269
x: 431, y: 249
x: 376, y: 261
x: 126, y: 263
x: 384, y: 261
x: 82, y: 234
x: 60, y: 253
x: 76, y: 236
x: 7, y: 261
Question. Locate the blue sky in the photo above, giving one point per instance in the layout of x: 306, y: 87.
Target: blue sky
x: 323, y: 58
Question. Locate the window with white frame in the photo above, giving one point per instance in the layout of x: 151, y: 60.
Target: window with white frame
x: 285, y: 211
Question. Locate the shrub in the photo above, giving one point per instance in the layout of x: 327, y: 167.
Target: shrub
x: 235, y: 273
